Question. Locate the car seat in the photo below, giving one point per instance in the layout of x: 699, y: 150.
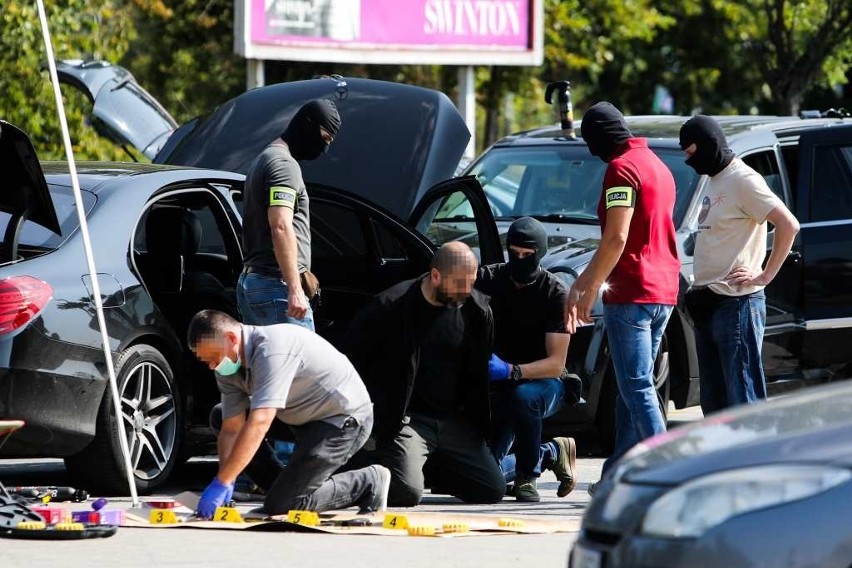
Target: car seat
x: 172, y: 237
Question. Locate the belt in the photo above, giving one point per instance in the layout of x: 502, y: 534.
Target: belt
x: 263, y: 271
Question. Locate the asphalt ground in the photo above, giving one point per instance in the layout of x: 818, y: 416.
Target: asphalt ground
x: 134, y: 547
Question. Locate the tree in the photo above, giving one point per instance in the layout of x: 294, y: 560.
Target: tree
x: 807, y: 40
x: 80, y: 29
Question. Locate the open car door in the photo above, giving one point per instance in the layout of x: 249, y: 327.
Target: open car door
x: 457, y: 210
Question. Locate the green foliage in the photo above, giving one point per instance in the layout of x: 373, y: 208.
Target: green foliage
x: 183, y: 54
x: 79, y: 29
x: 716, y: 56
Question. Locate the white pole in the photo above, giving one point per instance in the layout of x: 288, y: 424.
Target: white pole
x: 467, y: 105
x: 87, y: 245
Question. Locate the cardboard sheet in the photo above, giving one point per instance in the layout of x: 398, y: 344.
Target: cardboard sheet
x: 341, y: 522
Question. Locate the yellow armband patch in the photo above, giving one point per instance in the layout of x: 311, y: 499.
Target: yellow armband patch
x: 282, y: 196
x: 620, y: 197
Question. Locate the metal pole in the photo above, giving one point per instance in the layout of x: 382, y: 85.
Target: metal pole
x: 87, y: 245
x: 255, y: 73
x: 467, y: 106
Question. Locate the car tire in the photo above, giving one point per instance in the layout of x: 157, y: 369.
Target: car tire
x: 151, y: 406
x: 605, y: 415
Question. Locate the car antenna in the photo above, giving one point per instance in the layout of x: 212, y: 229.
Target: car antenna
x: 562, y: 105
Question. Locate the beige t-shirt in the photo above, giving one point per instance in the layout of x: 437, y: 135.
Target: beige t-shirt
x: 732, y: 227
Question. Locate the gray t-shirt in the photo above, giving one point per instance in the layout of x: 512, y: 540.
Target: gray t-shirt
x: 296, y: 371
x: 274, y: 179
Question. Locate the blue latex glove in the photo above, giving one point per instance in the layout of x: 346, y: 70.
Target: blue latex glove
x: 216, y: 495
x: 498, y: 369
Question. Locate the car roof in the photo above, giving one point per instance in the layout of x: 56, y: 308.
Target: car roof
x: 663, y: 130
x: 94, y: 176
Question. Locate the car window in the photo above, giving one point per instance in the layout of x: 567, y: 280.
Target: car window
x: 831, y: 198
x: 766, y: 164
x: 35, y: 236
x: 336, y: 232
x: 390, y: 245
x: 562, y: 181
x: 450, y: 219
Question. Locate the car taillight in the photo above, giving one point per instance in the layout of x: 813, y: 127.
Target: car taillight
x: 21, y: 299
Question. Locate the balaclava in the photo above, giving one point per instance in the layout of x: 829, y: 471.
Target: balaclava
x: 712, y: 154
x: 528, y: 233
x: 303, y: 133
x: 603, y: 128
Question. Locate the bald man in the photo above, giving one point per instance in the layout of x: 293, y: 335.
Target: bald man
x: 422, y: 348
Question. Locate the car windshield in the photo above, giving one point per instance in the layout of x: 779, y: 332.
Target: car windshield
x: 561, y: 184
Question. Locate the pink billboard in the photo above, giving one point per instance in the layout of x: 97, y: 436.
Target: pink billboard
x: 503, y: 25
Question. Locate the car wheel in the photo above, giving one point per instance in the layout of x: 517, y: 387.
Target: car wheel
x: 605, y: 415
x: 151, y: 410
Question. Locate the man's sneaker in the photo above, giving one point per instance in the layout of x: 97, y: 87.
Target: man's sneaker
x: 379, y: 502
x: 565, y: 465
x: 526, y: 491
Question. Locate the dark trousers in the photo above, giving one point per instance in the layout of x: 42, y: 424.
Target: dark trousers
x: 457, y: 456
x: 729, y: 341
x: 308, y: 482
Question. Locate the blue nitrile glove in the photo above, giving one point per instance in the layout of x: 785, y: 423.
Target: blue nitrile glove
x: 216, y: 495
x: 498, y: 369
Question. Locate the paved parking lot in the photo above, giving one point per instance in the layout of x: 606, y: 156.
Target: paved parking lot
x: 194, y: 547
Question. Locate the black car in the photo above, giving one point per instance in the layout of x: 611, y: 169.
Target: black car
x: 166, y: 244
x: 808, y: 163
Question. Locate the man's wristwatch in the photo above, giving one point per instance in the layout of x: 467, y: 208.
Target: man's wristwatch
x: 516, y: 372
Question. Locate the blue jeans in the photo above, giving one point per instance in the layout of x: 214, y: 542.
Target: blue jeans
x: 517, y: 411
x: 729, y: 339
x: 634, y: 332
x: 263, y: 300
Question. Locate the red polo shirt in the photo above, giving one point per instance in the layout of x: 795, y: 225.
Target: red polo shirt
x: 648, y: 269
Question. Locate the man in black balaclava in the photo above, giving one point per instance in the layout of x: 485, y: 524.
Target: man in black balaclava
x: 635, y: 269
x: 711, y: 154
x: 311, y: 129
x: 604, y: 130
x: 277, y: 283
x: 276, y: 222
x: 527, y: 369
x: 726, y: 301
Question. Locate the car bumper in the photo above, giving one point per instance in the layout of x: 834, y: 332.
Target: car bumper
x: 60, y: 412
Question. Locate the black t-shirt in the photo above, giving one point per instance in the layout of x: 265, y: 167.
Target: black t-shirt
x: 440, y: 335
x: 522, y: 316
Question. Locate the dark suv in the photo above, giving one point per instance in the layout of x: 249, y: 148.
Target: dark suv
x: 808, y: 163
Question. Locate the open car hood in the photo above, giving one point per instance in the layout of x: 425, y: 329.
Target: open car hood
x: 23, y: 193
x: 123, y: 111
x: 395, y: 141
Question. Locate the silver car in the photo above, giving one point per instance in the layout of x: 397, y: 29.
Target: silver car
x: 767, y: 485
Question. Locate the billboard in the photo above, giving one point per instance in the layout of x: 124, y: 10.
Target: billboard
x: 450, y: 32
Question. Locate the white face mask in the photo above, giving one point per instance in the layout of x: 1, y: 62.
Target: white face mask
x: 226, y: 367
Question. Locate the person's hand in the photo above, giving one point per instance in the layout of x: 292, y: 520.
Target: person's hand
x: 216, y: 495
x: 498, y: 369
x: 578, y: 306
x: 742, y: 276
x: 297, y: 304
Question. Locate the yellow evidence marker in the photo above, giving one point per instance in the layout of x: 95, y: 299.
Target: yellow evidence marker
x: 69, y: 526
x: 307, y: 518
x: 395, y: 522
x: 227, y: 515
x: 31, y: 526
x: 421, y: 531
x: 510, y: 523
x: 163, y: 517
x: 455, y: 528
